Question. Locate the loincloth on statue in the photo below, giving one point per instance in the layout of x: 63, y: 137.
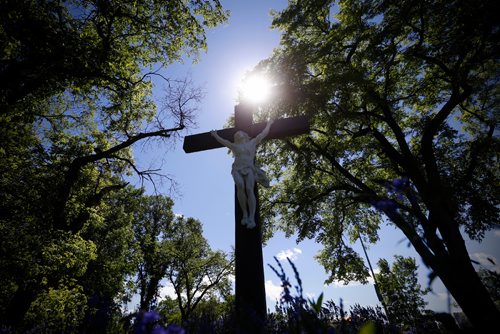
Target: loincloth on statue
x: 260, y: 176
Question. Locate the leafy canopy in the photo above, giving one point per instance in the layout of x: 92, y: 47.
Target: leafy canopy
x: 403, y: 100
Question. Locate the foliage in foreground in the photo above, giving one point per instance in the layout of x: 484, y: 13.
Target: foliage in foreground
x: 296, y: 314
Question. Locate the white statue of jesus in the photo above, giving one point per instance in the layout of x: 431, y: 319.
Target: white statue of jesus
x: 245, y: 171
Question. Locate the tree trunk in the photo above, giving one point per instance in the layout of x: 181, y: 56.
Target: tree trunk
x: 18, y: 306
x: 475, y: 301
x: 461, y: 279
x: 148, y: 294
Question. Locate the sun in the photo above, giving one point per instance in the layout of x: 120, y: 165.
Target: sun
x: 255, y: 88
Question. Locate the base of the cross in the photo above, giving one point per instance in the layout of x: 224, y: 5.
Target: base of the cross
x: 249, y: 271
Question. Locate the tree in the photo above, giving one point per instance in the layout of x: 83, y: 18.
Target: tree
x: 401, y: 291
x: 212, y: 313
x: 152, y: 228
x: 75, y: 96
x: 491, y: 280
x: 106, y: 281
x: 403, y: 101
x: 55, y: 176
x: 196, y: 272
x: 173, y: 248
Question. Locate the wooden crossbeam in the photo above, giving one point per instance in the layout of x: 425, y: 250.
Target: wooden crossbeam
x: 282, y: 128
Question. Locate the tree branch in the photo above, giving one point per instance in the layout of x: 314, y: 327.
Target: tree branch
x: 480, y: 145
x: 354, y: 180
x: 218, y: 278
x: 73, y: 172
x: 430, y: 131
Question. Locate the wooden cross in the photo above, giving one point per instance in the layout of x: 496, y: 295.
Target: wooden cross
x: 249, y: 270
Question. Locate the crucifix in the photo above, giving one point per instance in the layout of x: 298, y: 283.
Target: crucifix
x: 249, y: 270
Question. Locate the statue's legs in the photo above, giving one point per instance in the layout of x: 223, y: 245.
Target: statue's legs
x: 241, y: 195
x: 251, y: 200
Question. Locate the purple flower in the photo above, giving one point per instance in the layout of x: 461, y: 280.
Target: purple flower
x: 159, y: 330
x: 384, y: 204
x: 146, y: 321
x: 173, y: 329
x: 400, y: 183
x: 149, y: 317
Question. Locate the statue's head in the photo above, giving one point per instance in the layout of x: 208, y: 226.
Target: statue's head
x: 241, y: 137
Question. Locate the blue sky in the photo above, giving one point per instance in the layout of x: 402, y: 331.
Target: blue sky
x: 204, y: 184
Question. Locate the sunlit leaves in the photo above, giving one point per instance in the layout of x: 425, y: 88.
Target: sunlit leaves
x: 400, y: 290
x: 68, y: 253
x: 58, y: 309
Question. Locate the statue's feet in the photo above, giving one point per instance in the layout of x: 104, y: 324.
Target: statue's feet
x: 251, y: 223
x: 248, y: 222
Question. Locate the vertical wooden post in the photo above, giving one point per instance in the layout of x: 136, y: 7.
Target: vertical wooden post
x: 243, y: 117
x: 249, y: 268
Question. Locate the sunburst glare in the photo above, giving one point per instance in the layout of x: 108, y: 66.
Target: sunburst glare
x: 255, y: 88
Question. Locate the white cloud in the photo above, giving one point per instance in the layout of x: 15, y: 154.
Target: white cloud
x: 442, y: 295
x: 311, y: 295
x: 482, y: 258
x: 341, y: 284
x: 273, y: 291
x: 292, y: 254
x: 496, y: 233
x: 167, y: 291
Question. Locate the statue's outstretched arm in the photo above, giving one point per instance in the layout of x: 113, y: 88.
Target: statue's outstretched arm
x: 221, y: 140
x: 264, y: 132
